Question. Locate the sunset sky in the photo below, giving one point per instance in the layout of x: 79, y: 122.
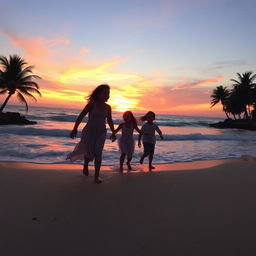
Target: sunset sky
x: 165, y: 56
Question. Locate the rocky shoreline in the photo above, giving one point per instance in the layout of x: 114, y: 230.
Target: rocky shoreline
x: 14, y: 118
x: 238, y: 124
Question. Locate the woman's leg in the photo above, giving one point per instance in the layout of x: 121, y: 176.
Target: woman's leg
x: 86, y: 163
x: 99, y: 145
x: 129, y: 159
x: 97, y: 165
x: 122, y: 157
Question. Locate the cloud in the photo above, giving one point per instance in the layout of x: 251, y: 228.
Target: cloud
x: 52, y: 64
x: 198, y: 83
x: 38, y: 47
x: 219, y: 65
x: 67, y: 80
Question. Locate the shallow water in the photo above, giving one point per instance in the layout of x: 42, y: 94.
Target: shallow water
x: 185, y: 139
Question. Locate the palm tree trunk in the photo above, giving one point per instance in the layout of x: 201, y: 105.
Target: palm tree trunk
x: 5, y: 102
x: 245, y: 113
x: 226, y: 115
x: 249, y: 111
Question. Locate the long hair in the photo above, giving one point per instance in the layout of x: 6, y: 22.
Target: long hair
x: 133, y: 119
x: 144, y: 118
x: 96, y: 92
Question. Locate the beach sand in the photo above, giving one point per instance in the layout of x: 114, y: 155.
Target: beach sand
x: 198, y: 208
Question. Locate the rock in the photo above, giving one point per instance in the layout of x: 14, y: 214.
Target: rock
x: 238, y: 124
x: 14, y: 118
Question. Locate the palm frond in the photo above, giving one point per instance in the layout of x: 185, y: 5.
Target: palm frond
x: 29, y: 84
x: 22, y: 100
x: 29, y: 89
x: 4, y: 91
x: 29, y: 78
x: 4, y: 62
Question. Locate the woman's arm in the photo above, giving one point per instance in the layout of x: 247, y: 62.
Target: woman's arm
x: 110, y: 120
x: 111, y: 124
x: 113, y: 135
x: 79, y: 119
x: 118, y: 129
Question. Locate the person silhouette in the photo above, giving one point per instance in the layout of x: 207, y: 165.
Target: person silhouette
x: 148, y: 137
x: 126, y: 141
x: 94, y: 133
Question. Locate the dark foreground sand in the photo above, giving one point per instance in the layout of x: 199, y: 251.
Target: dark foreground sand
x: 200, y: 208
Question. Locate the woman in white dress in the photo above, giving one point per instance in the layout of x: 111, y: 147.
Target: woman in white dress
x: 94, y: 133
x: 126, y: 141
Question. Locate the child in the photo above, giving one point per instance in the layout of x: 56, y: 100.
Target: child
x: 149, y: 139
x: 126, y: 141
x: 94, y: 133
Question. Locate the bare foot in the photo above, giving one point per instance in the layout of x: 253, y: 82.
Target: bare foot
x: 121, y: 169
x: 141, y: 160
x: 151, y: 167
x: 86, y: 172
x: 129, y: 166
x: 98, y: 181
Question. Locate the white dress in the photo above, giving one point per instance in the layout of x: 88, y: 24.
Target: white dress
x: 126, y: 141
x: 92, y: 138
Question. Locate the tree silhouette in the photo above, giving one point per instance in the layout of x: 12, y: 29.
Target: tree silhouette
x: 244, y: 87
x: 220, y: 94
x: 240, y: 98
x: 15, y: 78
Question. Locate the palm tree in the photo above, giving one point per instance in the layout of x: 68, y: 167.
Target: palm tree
x: 234, y: 104
x: 220, y: 94
x: 245, y: 87
x: 15, y: 78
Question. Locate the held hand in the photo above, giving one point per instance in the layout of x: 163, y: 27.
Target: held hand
x: 113, y: 137
x: 161, y: 136
x: 72, y: 135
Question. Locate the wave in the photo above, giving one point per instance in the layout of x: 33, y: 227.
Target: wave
x: 199, y: 136
x: 184, y: 124
x: 30, y: 131
x: 58, y: 118
x: 72, y: 118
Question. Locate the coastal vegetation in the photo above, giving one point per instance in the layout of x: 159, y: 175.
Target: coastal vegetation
x: 238, y: 103
x: 16, y: 78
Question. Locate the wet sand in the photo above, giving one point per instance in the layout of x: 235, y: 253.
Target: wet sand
x: 198, y: 208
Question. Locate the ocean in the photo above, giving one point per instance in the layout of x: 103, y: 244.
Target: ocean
x: 186, y: 138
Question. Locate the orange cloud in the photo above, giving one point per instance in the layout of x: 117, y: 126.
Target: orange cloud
x: 37, y: 46
x: 97, y: 73
x: 68, y: 79
x: 198, y: 83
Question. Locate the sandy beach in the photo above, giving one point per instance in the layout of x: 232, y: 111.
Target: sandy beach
x: 198, y: 208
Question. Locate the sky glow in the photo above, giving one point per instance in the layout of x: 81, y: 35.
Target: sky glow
x: 165, y: 55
